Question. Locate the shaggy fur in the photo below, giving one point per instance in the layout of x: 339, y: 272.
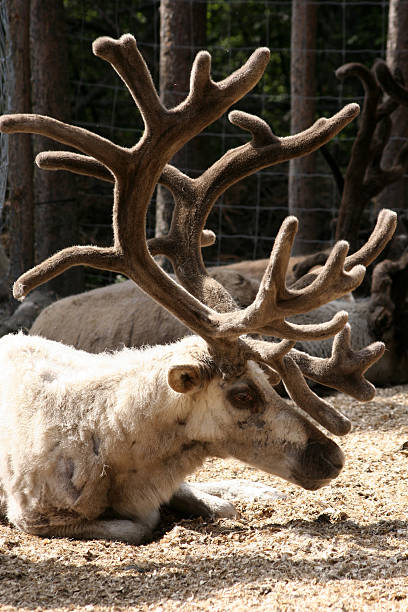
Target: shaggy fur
x: 81, y: 434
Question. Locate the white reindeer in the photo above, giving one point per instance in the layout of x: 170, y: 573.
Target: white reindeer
x: 83, y: 434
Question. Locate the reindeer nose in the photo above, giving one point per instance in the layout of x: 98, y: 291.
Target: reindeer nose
x: 322, y: 459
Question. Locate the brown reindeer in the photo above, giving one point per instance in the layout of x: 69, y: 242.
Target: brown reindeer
x: 119, y: 315
x: 84, y: 433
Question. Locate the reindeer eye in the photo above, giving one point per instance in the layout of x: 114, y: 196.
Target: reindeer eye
x: 244, y: 397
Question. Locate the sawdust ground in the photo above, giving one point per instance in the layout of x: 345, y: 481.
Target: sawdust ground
x: 344, y: 547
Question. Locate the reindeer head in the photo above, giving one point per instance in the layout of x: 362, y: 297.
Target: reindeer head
x: 238, y: 371
x: 244, y: 417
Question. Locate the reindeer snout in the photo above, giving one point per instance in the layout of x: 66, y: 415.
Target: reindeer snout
x: 321, y: 461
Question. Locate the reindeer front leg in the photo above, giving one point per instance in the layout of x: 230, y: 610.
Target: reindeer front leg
x: 189, y: 500
x: 213, y: 499
x: 94, y: 520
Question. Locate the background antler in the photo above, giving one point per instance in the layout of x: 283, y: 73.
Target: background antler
x: 365, y: 177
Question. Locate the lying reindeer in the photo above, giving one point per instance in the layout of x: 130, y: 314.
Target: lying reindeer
x: 118, y: 315
x: 83, y: 433
x: 121, y: 314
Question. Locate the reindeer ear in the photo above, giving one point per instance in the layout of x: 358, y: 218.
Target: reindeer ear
x: 185, y: 378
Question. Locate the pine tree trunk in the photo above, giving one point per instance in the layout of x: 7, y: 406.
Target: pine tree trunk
x: 55, y: 198
x: 182, y: 27
x: 303, y: 91
x: 20, y: 154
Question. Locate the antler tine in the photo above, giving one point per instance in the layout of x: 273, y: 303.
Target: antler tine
x: 345, y: 369
x: 361, y: 72
x: 364, y: 177
x: 265, y: 149
x: 380, y: 236
x: 98, y: 257
x: 100, y: 148
x: 279, y: 356
x: 204, y: 92
x: 317, y: 331
x: 371, y: 89
x: 205, y: 102
x: 88, y: 166
x: 391, y: 87
x: 323, y: 412
x: 74, y: 162
x: 274, y: 300
x: 126, y: 59
x: 331, y: 282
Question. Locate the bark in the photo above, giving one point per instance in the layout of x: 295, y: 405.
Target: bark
x: 182, y: 27
x: 20, y: 170
x: 56, y: 207
x: 397, y: 58
x: 301, y: 192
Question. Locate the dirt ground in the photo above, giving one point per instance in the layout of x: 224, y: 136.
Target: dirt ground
x: 344, y: 547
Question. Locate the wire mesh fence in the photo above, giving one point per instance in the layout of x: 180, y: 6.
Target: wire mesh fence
x: 246, y: 219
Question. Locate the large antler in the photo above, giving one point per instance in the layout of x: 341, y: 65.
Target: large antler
x: 137, y: 170
x: 194, y: 199
x: 205, y: 307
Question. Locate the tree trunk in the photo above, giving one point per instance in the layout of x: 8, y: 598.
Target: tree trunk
x: 56, y: 206
x: 20, y: 170
x: 393, y: 196
x: 182, y: 26
x: 303, y: 91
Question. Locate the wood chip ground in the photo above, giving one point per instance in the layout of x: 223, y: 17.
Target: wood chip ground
x: 344, y: 547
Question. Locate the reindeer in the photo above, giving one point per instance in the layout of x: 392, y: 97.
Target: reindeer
x: 121, y: 314
x: 82, y: 434
x: 118, y: 315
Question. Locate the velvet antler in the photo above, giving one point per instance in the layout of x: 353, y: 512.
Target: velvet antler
x: 201, y: 303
